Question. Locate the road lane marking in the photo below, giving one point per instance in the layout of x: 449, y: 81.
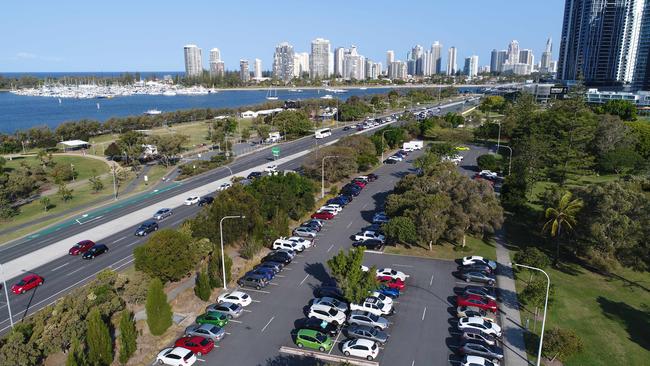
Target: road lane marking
x: 120, y: 239
x: 364, y: 206
x: 177, y: 222
x: 330, y: 248
x: 431, y: 282
x: 235, y: 321
x: 61, y: 266
x: 350, y: 224
x: 76, y: 270
x: 402, y: 265
x: 424, y: 312
x: 413, y: 363
x: 132, y: 244
x: 303, y: 280
x: 267, y: 324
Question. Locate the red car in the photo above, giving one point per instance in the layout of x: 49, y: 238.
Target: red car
x: 322, y: 215
x: 390, y: 282
x: 81, y: 247
x: 27, y: 283
x: 478, y: 301
x: 359, y: 183
x: 196, y: 344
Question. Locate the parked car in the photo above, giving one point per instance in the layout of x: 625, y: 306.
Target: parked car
x: 365, y: 318
x: 27, y: 283
x: 255, y: 281
x: 212, y: 317
x: 322, y: 326
x: 326, y: 313
x: 206, y: 200
x: 331, y: 302
x: 162, y: 213
x: 473, y: 259
x: 359, y: 183
x: 176, y: 356
x: 146, y: 228
x: 487, y: 292
x: 367, y: 235
x: 380, y: 218
x: 313, y: 339
x: 280, y: 257
x: 392, y: 273
x: 267, y: 273
x: 469, y: 311
x: 81, y: 247
x: 235, y: 297
x: 323, y: 215
x: 189, y: 201
x: 366, y: 332
x: 392, y: 282
x: 330, y: 291
x: 374, y: 306
x: 286, y: 244
x: 305, y: 232
x: 199, y: 345
x: 396, y: 157
x: 481, y: 324
x: 338, y: 200
x: 332, y: 207
x: 290, y: 252
x: 206, y: 330
x: 488, y: 174
x: 232, y: 310
x: 275, y: 266
x: 477, y: 301
x: 391, y: 160
x: 96, y: 250
x: 383, y: 298
x: 363, y: 348
x: 371, y: 244
x: 478, y: 277
x: 314, y: 222
x: 476, y: 361
x: 393, y: 293
x: 372, y: 177
x: 478, y: 335
x: 477, y: 267
x: 474, y: 348
x: 254, y: 175
x: 304, y: 243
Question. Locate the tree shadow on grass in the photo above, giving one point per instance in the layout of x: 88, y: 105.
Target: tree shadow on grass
x: 636, y: 321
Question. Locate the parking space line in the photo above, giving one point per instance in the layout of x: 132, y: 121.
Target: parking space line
x: 236, y: 321
x: 424, y: 312
x: 402, y: 265
x: 303, y: 280
x: 267, y: 324
x: 261, y: 291
x: 431, y: 282
x: 364, y: 206
x: 336, y: 341
x: 287, y: 268
x: 273, y: 283
x: 413, y: 363
x: 248, y: 311
x: 200, y: 359
x: 255, y: 301
x: 227, y: 333
x: 280, y: 276
x: 350, y: 224
x: 330, y: 248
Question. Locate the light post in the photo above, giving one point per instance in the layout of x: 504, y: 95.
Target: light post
x: 4, y: 281
x: 510, y: 159
x: 322, y: 174
x: 548, y: 286
x: 498, y: 136
x: 227, y: 167
x: 72, y: 168
x: 223, y: 257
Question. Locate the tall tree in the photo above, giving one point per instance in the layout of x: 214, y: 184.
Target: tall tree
x: 128, y: 336
x: 561, y: 219
x: 159, y: 312
x: 98, y: 338
x: 202, y: 288
x: 346, y: 269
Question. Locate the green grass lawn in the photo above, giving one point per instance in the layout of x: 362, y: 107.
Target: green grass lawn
x: 154, y: 175
x: 83, y: 166
x: 197, y: 132
x: 541, y: 186
x: 446, y: 250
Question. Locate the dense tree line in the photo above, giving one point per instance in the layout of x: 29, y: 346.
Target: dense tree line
x: 349, y: 156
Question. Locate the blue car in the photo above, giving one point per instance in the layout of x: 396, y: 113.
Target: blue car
x: 393, y: 293
x: 346, y: 199
x: 267, y: 273
x: 337, y: 201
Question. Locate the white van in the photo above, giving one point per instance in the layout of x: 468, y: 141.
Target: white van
x: 413, y: 145
x: 322, y: 133
x: 273, y: 138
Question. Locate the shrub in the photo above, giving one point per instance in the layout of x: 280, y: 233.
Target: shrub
x: 159, y: 313
x: 128, y: 336
x: 202, y: 288
x: 488, y: 162
x: 561, y: 343
x: 215, y: 270
x: 100, y: 345
x: 533, y: 257
x: 168, y: 255
x: 400, y: 229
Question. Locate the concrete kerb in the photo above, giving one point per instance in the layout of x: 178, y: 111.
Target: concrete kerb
x: 326, y: 357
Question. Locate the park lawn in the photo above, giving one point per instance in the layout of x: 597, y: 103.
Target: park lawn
x: 541, y: 186
x: 611, y: 315
x: 446, y: 250
x: 82, y: 165
x: 197, y: 132
x: 154, y: 176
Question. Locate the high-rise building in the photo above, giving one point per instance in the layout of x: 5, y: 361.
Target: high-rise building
x: 216, y: 65
x: 330, y: 64
x: 641, y: 79
x: 513, y: 52
x: 436, y: 58
x: 471, y: 66
x: 416, y: 60
x: 547, y: 57
x: 319, y: 59
x: 244, y: 72
x: 193, y: 63
x: 353, y: 65
x: 390, y: 57
x: 339, y: 55
x: 283, y: 58
x: 526, y: 57
x: 300, y: 64
x: 600, y: 40
x: 397, y: 70
x: 258, y: 69
x: 452, y: 64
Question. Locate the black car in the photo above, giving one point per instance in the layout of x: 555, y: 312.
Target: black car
x: 376, y: 228
x: 274, y: 266
x: 390, y: 161
x: 146, y: 227
x: 253, y: 280
x: 481, y: 349
x: 372, y: 244
x: 280, y: 257
x: 254, y: 175
x: 96, y: 250
x: 476, y: 267
x: 483, y: 291
x: 347, y: 128
x: 324, y: 327
x: 207, y: 200
x: 330, y: 291
x: 478, y: 277
x: 372, y: 177
x: 312, y: 225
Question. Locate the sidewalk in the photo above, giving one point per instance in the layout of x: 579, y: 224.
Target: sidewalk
x: 513, y: 332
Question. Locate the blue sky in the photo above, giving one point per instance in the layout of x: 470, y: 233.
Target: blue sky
x: 143, y: 35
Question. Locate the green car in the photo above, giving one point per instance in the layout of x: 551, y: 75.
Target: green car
x: 313, y: 339
x: 214, y: 318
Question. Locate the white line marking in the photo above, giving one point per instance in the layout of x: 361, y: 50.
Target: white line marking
x: 273, y: 283
x: 235, y: 321
x: 260, y: 291
x: 424, y: 312
x: 304, y: 279
x: 350, y: 224
x: 132, y: 244
x: 255, y: 300
x: 335, y: 341
x: 176, y: 222
x: 364, y: 206
x: 431, y: 282
x: 227, y: 333
x: 413, y: 363
x: 120, y: 239
x: 402, y: 265
x: 76, y: 270
x: 248, y: 311
x: 330, y: 248
x: 281, y: 276
x: 267, y: 324
x: 63, y: 265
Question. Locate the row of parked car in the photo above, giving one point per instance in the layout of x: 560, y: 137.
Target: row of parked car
x: 476, y: 307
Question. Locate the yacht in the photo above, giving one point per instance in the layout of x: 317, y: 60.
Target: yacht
x: 327, y: 96
x: 169, y: 93
x: 152, y: 112
x: 363, y: 88
x: 270, y: 95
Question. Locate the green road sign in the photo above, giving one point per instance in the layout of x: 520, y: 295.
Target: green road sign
x: 275, y: 151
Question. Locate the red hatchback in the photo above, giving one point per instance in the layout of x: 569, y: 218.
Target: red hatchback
x: 196, y: 344
x: 27, y: 283
x: 322, y: 215
x: 81, y: 247
x: 359, y: 183
x: 390, y: 282
x: 478, y: 301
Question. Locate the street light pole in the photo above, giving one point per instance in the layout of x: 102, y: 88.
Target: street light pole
x: 223, y: 256
x: 510, y: 159
x: 499, y: 136
x: 322, y: 174
x: 4, y: 281
x: 548, y: 286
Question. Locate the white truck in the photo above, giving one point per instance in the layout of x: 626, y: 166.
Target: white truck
x: 413, y: 145
x: 273, y: 138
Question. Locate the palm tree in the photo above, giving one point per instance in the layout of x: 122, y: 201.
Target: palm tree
x: 561, y: 219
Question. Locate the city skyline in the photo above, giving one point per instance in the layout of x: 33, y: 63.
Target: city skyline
x: 156, y: 49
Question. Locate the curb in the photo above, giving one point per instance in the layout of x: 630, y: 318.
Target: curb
x: 327, y: 357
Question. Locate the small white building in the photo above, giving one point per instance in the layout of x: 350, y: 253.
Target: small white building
x: 74, y: 145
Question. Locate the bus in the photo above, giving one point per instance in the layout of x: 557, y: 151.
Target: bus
x: 323, y: 132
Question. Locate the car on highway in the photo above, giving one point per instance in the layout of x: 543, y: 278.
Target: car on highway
x: 472, y: 334
x: 27, y: 283
x: 366, y: 332
x: 392, y: 273
x: 371, y: 244
x: 367, y: 235
x: 280, y: 257
x: 235, y: 297
x: 487, y: 292
x: 275, y: 266
x: 254, y: 175
x: 477, y: 259
x: 477, y: 301
x: 475, y: 348
x: 189, y: 201
x: 481, y: 324
x: 199, y: 345
x: 319, y: 325
x: 96, y: 250
x: 212, y: 317
x: 476, y: 361
x: 224, y: 186
x: 253, y: 280
x: 232, y: 310
x: 392, y: 282
x: 206, y: 330
x: 326, y: 313
x: 81, y: 247
x: 331, y: 302
x: 374, y: 306
x: 313, y: 339
x: 365, y: 318
x: 271, y: 169
x: 360, y: 347
x: 146, y: 228
x: 176, y: 356
x: 476, y: 276
x: 330, y: 291
x: 206, y: 200
x: 267, y: 273
x: 162, y: 213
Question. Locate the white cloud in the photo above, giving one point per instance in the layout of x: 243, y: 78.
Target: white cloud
x: 25, y: 55
x: 31, y: 56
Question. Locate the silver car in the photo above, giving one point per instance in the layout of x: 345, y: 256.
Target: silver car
x: 206, y: 330
x: 304, y: 232
x: 232, y: 310
x: 366, y: 332
x: 361, y: 317
x: 332, y: 302
x: 162, y: 213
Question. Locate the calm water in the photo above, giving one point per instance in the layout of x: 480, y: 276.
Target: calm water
x: 22, y: 112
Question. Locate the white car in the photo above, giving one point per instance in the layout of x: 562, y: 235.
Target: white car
x: 235, y: 297
x: 338, y: 208
x: 477, y: 361
x: 365, y: 268
x: 177, y: 356
x: 477, y: 322
x: 189, y: 201
x: 374, y: 306
x: 224, y: 186
x: 364, y: 348
x: 326, y: 313
x: 366, y: 235
x: 331, y: 210
x: 301, y: 241
x: 488, y: 174
x: 477, y: 259
x: 385, y: 299
x: 392, y: 273
x: 331, y: 302
x: 286, y: 244
x: 271, y: 169
x: 396, y: 158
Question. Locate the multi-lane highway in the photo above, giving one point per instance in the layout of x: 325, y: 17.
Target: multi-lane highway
x: 63, y: 273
